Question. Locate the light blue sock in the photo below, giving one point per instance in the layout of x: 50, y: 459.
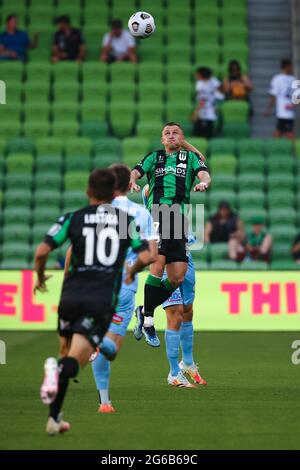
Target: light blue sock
x: 172, y: 339
x: 187, y: 342
x: 108, y: 348
x: 101, y: 371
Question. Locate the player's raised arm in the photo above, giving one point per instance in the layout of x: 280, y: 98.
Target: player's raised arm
x: 144, y: 166
x: 135, y: 175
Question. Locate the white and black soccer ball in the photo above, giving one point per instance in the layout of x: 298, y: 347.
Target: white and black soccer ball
x: 141, y: 24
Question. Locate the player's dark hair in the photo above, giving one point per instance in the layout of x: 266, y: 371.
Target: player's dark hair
x: 122, y: 173
x: 173, y: 123
x: 117, y: 24
x: 102, y: 184
x: 9, y: 17
x: 285, y: 63
x: 206, y: 72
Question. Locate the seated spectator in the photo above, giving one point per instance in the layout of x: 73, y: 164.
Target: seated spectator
x: 296, y: 249
x: 14, y: 43
x: 236, y: 86
x: 68, y: 42
x: 259, y: 241
x: 207, y: 94
x: 118, y: 45
x: 226, y: 227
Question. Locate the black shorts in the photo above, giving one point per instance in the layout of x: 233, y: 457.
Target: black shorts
x: 204, y: 128
x: 174, y: 249
x: 285, y: 125
x: 88, y: 319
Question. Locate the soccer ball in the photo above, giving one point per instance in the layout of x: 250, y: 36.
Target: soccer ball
x: 141, y: 24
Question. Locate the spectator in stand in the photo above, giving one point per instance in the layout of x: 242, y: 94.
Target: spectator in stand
x: 259, y: 241
x: 236, y: 86
x: 68, y: 42
x: 207, y: 94
x: 14, y: 43
x: 281, y: 92
x: 118, y: 45
x: 226, y: 227
x: 295, y: 250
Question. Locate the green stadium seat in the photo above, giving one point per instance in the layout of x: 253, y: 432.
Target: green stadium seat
x: 39, y: 231
x: 149, y: 111
x: 247, y: 214
x: 48, y: 180
x: 93, y: 38
x: 185, y: 76
x: 65, y: 112
x: 200, y: 143
x: 36, y: 92
x: 134, y: 149
x: 47, y: 197
x: 284, y: 233
x: 108, y: 145
x: 250, y: 146
x: 281, y: 251
x: 38, y: 71
x: 207, y: 52
x: 209, y: 35
x: 95, y: 90
x: 36, y: 111
x: 151, y: 92
x: 46, y: 31
x: 126, y: 70
x: 93, y: 71
x: 285, y: 265
x: 235, y: 111
x: 16, y: 232
x: 254, y: 266
x: 276, y: 181
x: 65, y: 129
x: 105, y: 160
x: 14, y: 264
x: 251, y: 163
x: 78, y: 146
x: 218, y: 251
x: 211, y: 18
x: 66, y: 71
x: 15, y: 251
x: 286, y: 215
x: 11, y: 71
x: 178, y: 111
x: 42, y: 216
x: 235, y: 51
x: 297, y: 147
x: 96, y: 16
x: 236, y: 129
x: 18, y: 180
x: 224, y: 182
x: 150, y: 72
x: 2, y: 145
x: 16, y: 215
x: 19, y: 198
x: 178, y: 52
x: 149, y: 130
x: 249, y: 181
x: 93, y: 110
x: 275, y: 161
x: 75, y: 199
x: 76, y: 180
x: 250, y: 199
x: 285, y: 198
x: 179, y: 34
x: 77, y: 163
x: 19, y: 162
x: 2, y: 164
x: 235, y: 34
x: 50, y: 163
x: 36, y: 129
x: 223, y: 164
x: 122, y: 118
x: 122, y: 92
x: 74, y: 11
x: 219, y: 146
x: 65, y: 91
x: 224, y: 265
x: 49, y: 146
x: 21, y: 145
x: 278, y: 146
x: 10, y: 129
x: 179, y: 90
x: 94, y: 129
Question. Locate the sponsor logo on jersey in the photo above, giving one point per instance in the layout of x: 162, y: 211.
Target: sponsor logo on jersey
x: 181, y: 165
x: 177, y: 171
x: 54, y: 230
x: 182, y: 156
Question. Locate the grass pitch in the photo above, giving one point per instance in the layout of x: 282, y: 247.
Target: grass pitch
x: 252, y: 400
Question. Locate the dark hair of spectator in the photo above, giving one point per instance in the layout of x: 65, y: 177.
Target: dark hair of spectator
x: 62, y: 19
x: 173, y: 123
x: 206, y: 72
x: 117, y: 24
x: 122, y: 173
x: 10, y: 17
x: 102, y: 184
x: 234, y: 64
x: 285, y: 63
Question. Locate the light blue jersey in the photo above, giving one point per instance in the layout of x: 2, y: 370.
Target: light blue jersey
x: 125, y: 308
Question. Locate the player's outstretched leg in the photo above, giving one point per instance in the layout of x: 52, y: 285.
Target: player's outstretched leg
x: 187, y: 364
x: 65, y: 369
x: 101, y: 371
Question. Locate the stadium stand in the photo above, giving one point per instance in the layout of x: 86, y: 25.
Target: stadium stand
x: 62, y: 120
